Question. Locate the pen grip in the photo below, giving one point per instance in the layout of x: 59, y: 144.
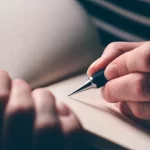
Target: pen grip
x: 99, y: 79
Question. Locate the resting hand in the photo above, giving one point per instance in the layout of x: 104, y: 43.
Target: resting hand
x: 32, y: 120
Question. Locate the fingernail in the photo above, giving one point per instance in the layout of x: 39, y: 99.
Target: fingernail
x: 111, y: 71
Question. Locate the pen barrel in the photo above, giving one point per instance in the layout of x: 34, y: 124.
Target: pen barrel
x: 99, y: 79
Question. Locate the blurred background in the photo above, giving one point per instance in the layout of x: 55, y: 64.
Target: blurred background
x: 120, y: 20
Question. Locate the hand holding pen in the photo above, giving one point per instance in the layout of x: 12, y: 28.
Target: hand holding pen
x: 127, y: 69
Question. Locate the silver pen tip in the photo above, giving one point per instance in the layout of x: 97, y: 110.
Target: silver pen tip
x: 76, y: 91
x: 87, y: 85
x: 71, y: 94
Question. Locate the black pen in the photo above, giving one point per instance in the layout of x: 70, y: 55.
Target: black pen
x: 96, y: 81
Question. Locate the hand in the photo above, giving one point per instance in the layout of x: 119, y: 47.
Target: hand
x: 128, y: 71
x: 31, y: 119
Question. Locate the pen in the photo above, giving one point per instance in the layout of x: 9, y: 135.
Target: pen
x: 96, y: 81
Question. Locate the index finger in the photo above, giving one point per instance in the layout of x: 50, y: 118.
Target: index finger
x: 112, y: 51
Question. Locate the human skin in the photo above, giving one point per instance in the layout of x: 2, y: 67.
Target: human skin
x: 127, y: 69
x: 32, y: 119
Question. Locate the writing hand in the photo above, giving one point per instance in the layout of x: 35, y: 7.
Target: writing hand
x: 128, y: 71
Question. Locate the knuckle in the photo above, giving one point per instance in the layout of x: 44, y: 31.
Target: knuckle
x: 140, y: 85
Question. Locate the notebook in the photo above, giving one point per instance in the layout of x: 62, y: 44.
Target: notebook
x: 100, y: 118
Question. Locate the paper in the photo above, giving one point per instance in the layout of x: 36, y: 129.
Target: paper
x: 99, y: 117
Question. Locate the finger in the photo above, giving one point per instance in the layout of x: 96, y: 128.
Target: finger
x: 136, y: 112
x: 63, y: 110
x: 140, y: 109
x: 72, y: 129
x: 66, y: 115
x: 19, y: 116
x: 124, y: 109
x: 47, y: 131
x: 131, y: 87
x: 137, y: 60
x: 5, y: 85
x: 112, y: 51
